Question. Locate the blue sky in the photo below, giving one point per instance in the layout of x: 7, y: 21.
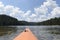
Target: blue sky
x: 31, y: 10
x: 24, y: 4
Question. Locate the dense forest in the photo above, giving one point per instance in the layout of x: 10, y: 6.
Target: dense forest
x: 7, y: 20
x: 53, y: 21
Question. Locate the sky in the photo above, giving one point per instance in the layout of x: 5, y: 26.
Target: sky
x: 31, y: 10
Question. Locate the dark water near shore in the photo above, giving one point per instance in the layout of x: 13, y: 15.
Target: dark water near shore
x: 40, y: 32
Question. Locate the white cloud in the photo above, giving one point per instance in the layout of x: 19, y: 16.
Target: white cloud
x: 49, y: 9
x: 56, y: 12
x: 27, y: 13
x: 1, y: 8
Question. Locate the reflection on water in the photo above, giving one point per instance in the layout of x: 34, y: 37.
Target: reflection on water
x: 39, y: 32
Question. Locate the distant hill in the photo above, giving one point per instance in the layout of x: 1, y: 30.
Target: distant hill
x: 7, y: 20
x: 53, y: 21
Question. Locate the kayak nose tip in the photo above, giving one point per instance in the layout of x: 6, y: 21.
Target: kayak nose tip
x: 26, y: 30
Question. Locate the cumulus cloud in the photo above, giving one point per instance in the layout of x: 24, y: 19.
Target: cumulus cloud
x: 56, y: 12
x: 49, y: 9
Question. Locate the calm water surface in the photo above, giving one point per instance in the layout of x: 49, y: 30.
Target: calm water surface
x: 39, y: 32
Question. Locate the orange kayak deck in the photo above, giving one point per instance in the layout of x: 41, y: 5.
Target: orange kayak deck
x: 26, y: 35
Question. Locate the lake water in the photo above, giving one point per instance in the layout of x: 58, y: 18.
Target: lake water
x: 39, y: 32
